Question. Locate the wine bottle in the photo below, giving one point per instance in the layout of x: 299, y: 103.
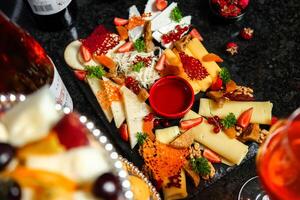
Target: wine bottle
x: 25, y: 65
x: 53, y: 15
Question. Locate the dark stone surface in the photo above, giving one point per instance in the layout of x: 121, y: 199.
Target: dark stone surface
x: 268, y: 63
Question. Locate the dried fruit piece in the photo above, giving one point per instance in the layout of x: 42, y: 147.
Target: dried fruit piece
x: 80, y: 74
x: 135, y: 21
x: 195, y: 34
x: 244, y: 119
x: 251, y: 133
x: 230, y: 132
x: 211, y: 156
x: 193, y: 67
x: 232, y: 48
x: 125, y: 47
x: 122, y: 32
x: 211, y: 57
x: 105, y: 60
x: 247, y: 33
x: 231, y: 86
x: 187, y: 124
x: 161, y: 4
x: 123, y: 130
x: 120, y: 21
x: 160, y: 63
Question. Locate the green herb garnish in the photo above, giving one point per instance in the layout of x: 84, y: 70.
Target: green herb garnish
x: 95, y: 71
x: 176, y: 14
x: 141, y: 137
x: 139, y: 45
x: 200, y: 165
x: 229, y: 121
x: 225, y: 75
x: 138, y: 66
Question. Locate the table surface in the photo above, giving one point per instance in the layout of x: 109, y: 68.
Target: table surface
x: 268, y: 63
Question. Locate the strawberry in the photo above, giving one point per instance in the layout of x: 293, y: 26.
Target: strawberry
x: 247, y: 33
x: 217, y: 84
x: 244, y: 118
x: 123, y: 130
x: 85, y: 53
x: 232, y: 48
x: 187, y: 124
x: 160, y: 65
x: 274, y: 120
x: 161, y: 4
x: 195, y: 34
x: 71, y: 132
x: 120, y: 21
x: 80, y: 74
x: 125, y: 47
x: 243, y: 3
x: 211, y: 156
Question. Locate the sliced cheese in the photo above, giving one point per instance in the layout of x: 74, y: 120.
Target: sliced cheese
x: 184, y: 21
x: 167, y: 135
x: 135, y: 111
x: 151, y: 8
x: 116, y: 107
x: 3, y: 133
x: 173, y: 193
x: 198, y: 51
x: 135, y: 33
x: 163, y: 18
x: 96, y: 88
x: 133, y: 11
x: 231, y: 149
x: 262, y: 111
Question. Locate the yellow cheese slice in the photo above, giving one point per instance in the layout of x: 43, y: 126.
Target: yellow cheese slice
x: 116, y: 108
x: 96, y: 87
x: 262, y: 111
x: 172, y: 193
x: 167, y: 135
x: 198, y: 51
x: 231, y: 149
x: 135, y: 111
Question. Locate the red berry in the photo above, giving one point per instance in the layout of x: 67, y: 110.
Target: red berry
x: 247, y: 33
x: 149, y: 117
x: 166, y: 123
x: 210, y: 120
x: 217, y: 118
x: 232, y: 48
x: 243, y: 3
x: 132, y: 84
x: 156, y: 122
x: 217, y: 84
x: 216, y: 129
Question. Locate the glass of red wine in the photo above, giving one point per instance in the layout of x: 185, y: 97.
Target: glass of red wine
x: 278, y: 165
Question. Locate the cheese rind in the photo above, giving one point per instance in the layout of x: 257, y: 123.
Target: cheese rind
x: 231, y: 149
x: 167, y: 135
x: 262, y: 111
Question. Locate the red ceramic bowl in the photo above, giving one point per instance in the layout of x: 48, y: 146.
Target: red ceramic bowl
x: 171, y: 97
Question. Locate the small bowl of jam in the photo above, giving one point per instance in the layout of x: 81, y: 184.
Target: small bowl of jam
x: 171, y: 97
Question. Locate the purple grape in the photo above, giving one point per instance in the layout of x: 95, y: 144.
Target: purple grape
x: 7, y: 153
x: 107, y: 186
x: 10, y: 190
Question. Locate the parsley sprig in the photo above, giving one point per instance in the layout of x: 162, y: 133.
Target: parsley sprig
x: 225, y: 75
x: 229, y: 120
x: 139, y: 45
x: 94, y: 71
x: 176, y: 14
x: 200, y: 166
x: 141, y: 137
x: 138, y: 66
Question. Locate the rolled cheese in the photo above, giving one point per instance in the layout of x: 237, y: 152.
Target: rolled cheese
x: 231, y: 149
x: 167, y: 135
x: 262, y: 111
x: 172, y: 193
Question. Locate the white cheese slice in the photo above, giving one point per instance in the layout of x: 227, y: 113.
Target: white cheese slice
x: 3, y: 133
x: 184, y: 21
x: 163, y: 18
x: 96, y: 88
x: 135, y: 33
x: 157, y: 36
x: 167, y: 135
x: 117, y: 108
x: 135, y: 111
x: 231, y: 149
x: 151, y: 8
x: 133, y: 11
x: 32, y: 119
x: 262, y: 111
x: 81, y: 164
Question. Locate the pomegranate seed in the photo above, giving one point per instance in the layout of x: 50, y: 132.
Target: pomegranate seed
x: 210, y: 120
x: 156, y: 123
x: 216, y: 129
x: 166, y: 124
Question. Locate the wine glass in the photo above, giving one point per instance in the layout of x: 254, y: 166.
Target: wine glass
x: 278, y: 164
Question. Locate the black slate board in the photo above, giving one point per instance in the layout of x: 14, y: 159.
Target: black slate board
x: 268, y: 63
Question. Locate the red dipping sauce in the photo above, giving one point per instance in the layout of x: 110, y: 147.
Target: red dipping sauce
x: 171, y: 97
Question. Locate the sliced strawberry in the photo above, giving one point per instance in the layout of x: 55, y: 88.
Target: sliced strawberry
x: 244, y: 119
x: 217, y: 84
x: 125, y: 47
x: 160, y: 65
x: 123, y: 130
x: 211, y: 156
x: 274, y: 120
x: 195, y: 34
x: 85, y: 53
x: 80, y: 74
x: 161, y: 4
x: 187, y: 124
x: 120, y: 21
x: 71, y: 132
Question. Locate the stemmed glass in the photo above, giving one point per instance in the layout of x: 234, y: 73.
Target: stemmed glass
x: 278, y: 164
